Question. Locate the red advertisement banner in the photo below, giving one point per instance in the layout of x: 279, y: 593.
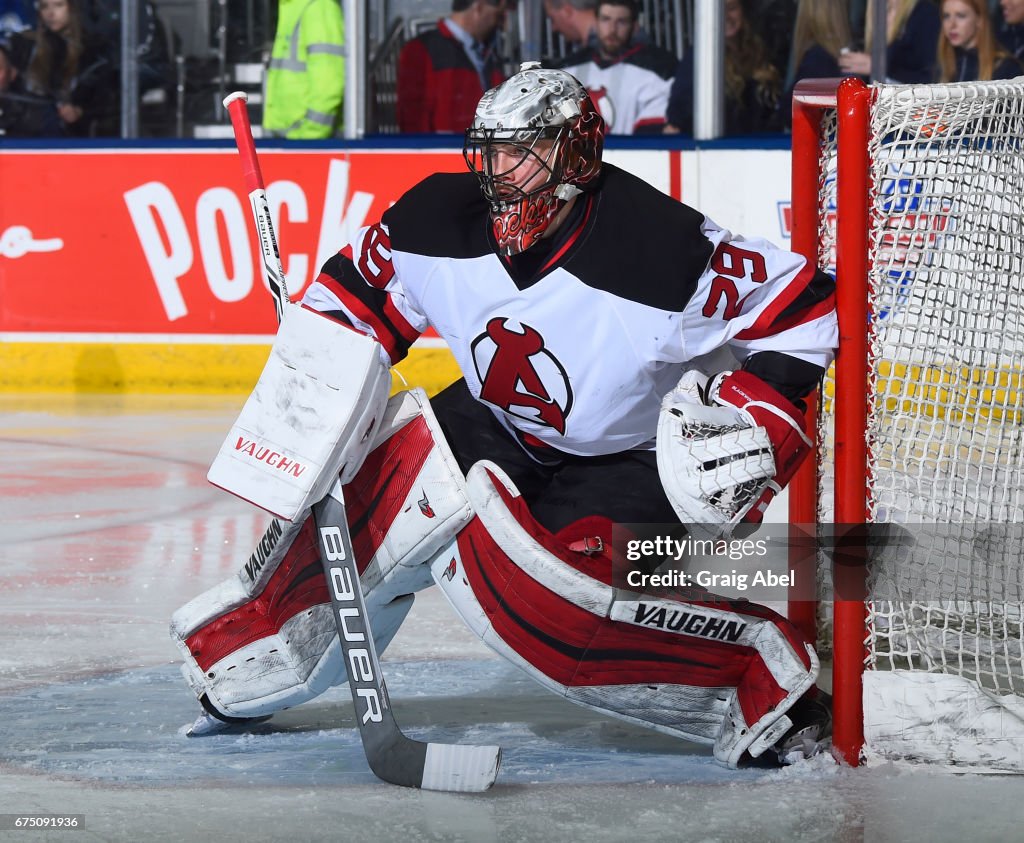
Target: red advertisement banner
x: 128, y: 241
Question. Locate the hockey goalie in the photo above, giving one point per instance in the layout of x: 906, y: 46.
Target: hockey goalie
x: 589, y: 315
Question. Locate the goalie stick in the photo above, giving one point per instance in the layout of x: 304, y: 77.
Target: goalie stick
x: 392, y: 756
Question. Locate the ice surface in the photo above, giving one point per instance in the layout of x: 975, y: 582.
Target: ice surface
x: 109, y: 525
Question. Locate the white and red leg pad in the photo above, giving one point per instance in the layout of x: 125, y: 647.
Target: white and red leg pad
x: 710, y: 670
x: 266, y: 638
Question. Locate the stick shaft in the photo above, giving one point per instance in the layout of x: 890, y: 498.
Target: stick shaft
x: 273, y: 271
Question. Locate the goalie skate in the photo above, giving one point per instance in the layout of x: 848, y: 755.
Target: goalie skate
x: 811, y: 732
x: 211, y: 722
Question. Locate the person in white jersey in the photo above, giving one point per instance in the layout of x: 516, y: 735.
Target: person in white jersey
x: 595, y: 320
x: 628, y: 78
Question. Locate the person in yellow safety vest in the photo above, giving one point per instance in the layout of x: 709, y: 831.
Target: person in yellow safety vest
x: 306, y: 77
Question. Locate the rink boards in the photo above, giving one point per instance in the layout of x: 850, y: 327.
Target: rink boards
x: 144, y: 275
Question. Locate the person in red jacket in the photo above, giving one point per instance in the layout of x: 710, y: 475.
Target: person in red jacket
x: 443, y: 72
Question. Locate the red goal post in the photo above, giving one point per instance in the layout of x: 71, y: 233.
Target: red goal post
x: 811, y: 101
x: 913, y: 195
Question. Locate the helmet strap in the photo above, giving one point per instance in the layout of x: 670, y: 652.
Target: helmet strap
x: 565, y: 192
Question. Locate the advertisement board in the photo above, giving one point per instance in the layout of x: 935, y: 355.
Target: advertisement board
x: 138, y: 269
x: 162, y: 242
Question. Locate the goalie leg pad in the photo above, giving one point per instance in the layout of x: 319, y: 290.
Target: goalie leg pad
x: 714, y: 672
x: 266, y: 639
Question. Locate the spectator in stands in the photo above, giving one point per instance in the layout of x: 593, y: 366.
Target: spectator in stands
x: 305, y: 81
x: 912, y: 35
x: 21, y: 114
x: 574, y: 20
x: 443, y: 72
x: 1009, y: 26
x: 821, y: 33
x: 70, y: 66
x: 968, y: 51
x: 753, y: 85
x: 628, y: 80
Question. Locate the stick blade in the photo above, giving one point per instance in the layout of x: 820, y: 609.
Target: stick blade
x: 401, y: 760
x: 459, y: 768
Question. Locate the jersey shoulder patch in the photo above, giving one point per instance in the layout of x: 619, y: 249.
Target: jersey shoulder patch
x: 445, y: 215
x: 644, y: 246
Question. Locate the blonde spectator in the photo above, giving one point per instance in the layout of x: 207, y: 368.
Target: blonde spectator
x: 820, y: 34
x: 912, y: 35
x: 69, y: 65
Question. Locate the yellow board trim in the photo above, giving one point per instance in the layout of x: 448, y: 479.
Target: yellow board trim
x: 153, y: 368
x: 961, y: 393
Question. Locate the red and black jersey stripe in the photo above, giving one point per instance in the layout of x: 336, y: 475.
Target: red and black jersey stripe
x: 810, y: 296
x: 368, y: 304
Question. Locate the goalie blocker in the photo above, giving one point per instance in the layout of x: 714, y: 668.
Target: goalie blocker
x: 265, y: 640
x: 309, y: 419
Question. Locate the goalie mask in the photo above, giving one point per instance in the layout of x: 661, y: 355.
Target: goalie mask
x: 535, y: 143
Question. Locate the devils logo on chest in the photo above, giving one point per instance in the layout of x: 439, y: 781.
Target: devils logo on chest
x: 520, y: 375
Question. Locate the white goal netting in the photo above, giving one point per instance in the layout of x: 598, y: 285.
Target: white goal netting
x: 945, y: 428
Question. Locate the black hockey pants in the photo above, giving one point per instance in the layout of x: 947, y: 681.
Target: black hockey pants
x: 623, y: 487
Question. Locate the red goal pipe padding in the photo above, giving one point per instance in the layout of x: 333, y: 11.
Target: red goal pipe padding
x: 852, y: 99
x: 851, y: 406
x: 809, y: 97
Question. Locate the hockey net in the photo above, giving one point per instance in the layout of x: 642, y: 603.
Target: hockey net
x: 917, y: 193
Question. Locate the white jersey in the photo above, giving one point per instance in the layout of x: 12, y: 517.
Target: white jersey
x: 632, y: 91
x: 576, y: 343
